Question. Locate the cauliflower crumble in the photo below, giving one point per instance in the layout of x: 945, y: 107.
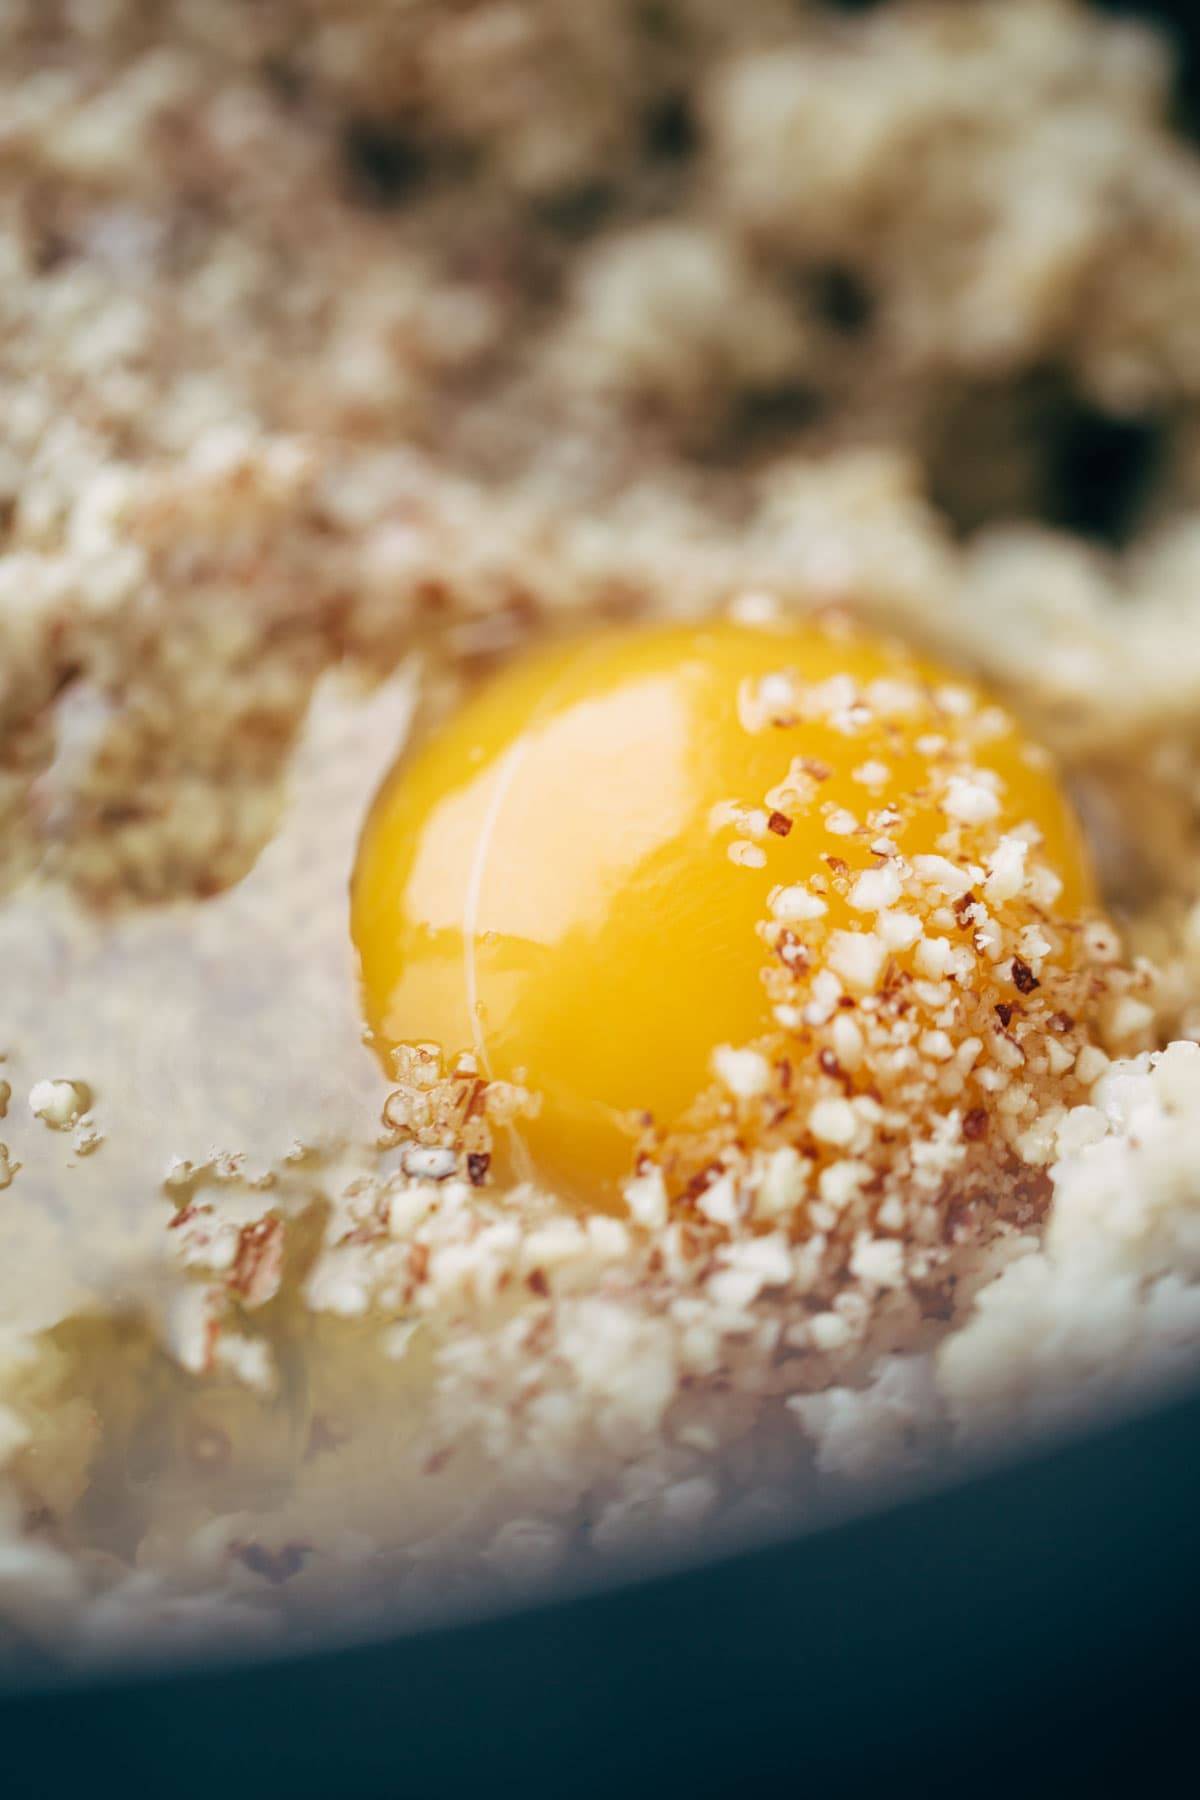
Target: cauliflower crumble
x: 348, y: 348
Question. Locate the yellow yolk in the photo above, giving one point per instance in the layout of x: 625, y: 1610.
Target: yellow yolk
x: 569, y: 879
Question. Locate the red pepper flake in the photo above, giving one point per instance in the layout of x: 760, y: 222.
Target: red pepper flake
x: 478, y: 1164
x: 818, y: 770
x: 829, y: 1063
x: 959, y: 1222
x: 702, y: 1181
x: 838, y: 864
x: 1024, y: 979
x: 791, y: 952
x: 779, y: 823
x: 1004, y: 1012
x: 258, y: 1269
x: 274, y: 1566
x: 975, y: 1125
x: 785, y: 1073
x: 537, y: 1283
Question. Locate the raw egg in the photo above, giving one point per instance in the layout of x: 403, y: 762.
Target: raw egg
x: 573, y: 879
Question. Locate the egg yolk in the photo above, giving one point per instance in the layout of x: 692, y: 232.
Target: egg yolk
x: 569, y: 879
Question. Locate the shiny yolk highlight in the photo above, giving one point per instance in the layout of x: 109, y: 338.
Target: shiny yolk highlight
x: 569, y: 879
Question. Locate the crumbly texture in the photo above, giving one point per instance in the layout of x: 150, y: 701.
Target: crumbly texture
x: 333, y: 333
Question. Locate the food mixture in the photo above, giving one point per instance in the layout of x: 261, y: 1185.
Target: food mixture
x: 404, y: 410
